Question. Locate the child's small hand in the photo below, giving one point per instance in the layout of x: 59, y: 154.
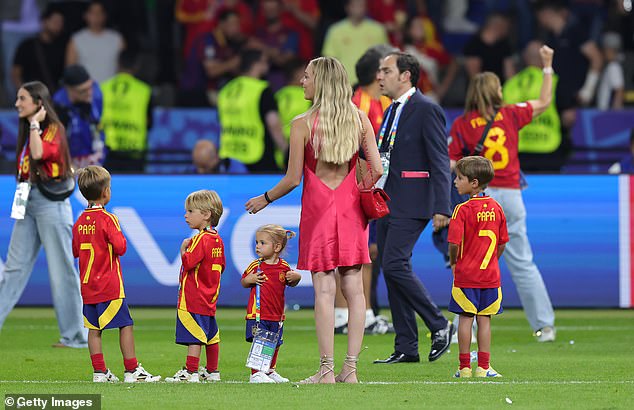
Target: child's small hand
x: 293, y: 278
x: 185, y: 244
x: 255, y: 278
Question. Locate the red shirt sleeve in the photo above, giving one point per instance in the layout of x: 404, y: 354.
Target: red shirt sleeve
x: 522, y: 114
x: 50, y: 144
x: 456, y: 226
x: 504, y: 234
x: 75, y: 241
x: 194, y: 253
x: 114, y: 235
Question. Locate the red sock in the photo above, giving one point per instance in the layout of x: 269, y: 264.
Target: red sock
x: 483, y: 359
x: 130, y: 364
x: 274, y: 359
x: 253, y: 371
x: 465, y: 360
x: 192, y: 364
x: 212, y: 357
x: 98, y: 363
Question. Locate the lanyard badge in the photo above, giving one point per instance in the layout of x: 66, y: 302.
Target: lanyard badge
x: 385, y: 156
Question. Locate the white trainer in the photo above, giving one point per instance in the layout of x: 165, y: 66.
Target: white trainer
x: 207, y: 376
x: 140, y: 375
x: 260, y: 377
x: 107, y: 377
x: 276, y: 377
x: 184, y: 376
x: 546, y: 334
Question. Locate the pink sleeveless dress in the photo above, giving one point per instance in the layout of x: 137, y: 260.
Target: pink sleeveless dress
x: 333, y: 231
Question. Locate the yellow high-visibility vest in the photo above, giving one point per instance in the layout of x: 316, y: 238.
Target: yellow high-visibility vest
x: 124, y: 118
x: 241, y: 126
x: 543, y: 134
x: 290, y: 103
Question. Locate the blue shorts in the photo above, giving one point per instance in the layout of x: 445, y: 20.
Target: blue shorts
x: 269, y: 325
x: 482, y: 302
x: 195, y: 329
x: 107, y: 315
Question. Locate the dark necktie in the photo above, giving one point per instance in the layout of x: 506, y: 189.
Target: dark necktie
x: 388, y: 128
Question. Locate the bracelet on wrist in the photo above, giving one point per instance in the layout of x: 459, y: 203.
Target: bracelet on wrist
x: 34, y: 125
x: 266, y: 196
x: 548, y: 70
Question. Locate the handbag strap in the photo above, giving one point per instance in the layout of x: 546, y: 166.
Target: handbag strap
x: 480, y: 145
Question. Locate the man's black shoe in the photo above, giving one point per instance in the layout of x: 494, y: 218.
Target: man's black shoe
x: 440, y: 341
x: 398, y: 357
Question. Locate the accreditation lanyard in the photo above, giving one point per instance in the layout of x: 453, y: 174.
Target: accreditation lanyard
x: 257, y: 295
x: 392, y: 135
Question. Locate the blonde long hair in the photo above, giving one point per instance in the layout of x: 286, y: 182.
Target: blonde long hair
x: 483, y: 94
x: 336, y: 138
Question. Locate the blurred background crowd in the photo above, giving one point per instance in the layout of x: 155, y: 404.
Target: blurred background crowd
x: 182, y: 52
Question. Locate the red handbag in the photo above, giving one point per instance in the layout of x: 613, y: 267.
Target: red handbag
x: 373, y: 199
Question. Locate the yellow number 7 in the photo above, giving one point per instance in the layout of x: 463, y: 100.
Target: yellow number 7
x: 86, y: 246
x: 491, y: 235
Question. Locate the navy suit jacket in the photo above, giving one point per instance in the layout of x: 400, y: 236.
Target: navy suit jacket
x: 420, y: 145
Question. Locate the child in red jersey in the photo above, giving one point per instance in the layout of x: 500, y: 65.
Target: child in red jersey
x: 203, y: 261
x: 477, y: 236
x: 272, y: 274
x: 98, y: 242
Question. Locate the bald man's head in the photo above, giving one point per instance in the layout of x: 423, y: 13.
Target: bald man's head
x: 205, y: 157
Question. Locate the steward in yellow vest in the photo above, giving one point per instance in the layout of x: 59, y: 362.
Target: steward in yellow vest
x: 126, y: 117
x: 250, y: 127
x: 290, y: 102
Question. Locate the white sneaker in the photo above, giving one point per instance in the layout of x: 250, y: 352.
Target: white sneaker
x: 546, y: 334
x: 260, y: 377
x: 276, y: 377
x: 183, y: 376
x: 140, y: 375
x: 207, y: 376
x: 107, y: 377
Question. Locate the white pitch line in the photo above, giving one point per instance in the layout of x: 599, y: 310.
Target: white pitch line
x: 377, y: 383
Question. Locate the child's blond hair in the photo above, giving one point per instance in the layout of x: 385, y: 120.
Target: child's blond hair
x: 92, y: 180
x: 206, y: 200
x: 277, y: 233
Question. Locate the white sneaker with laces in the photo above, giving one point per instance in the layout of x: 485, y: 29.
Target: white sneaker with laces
x: 140, y: 375
x: 207, y: 376
x: 546, y: 334
x: 276, y: 377
x: 260, y: 377
x: 107, y: 377
x: 184, y: 376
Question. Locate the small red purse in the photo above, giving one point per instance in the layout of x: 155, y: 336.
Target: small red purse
x: 373, y: 199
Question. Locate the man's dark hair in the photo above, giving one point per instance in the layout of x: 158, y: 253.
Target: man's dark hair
x: 367, y: 66
x: 248, y: 58
x: 291, y: 67
x: 556, y: 5
x: 49, y: 11
x: 407, y: 62
x: 128, y: 59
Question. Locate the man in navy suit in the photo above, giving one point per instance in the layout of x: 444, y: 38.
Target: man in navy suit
x: 416, y: 176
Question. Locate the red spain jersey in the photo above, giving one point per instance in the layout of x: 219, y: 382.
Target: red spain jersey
x: 98, y: 242
x: 500, y: 145
x: 203, y: 263
x: 52, y: 158
x: 478, y: 226
x: 271, y: 291
x: 374, y: 109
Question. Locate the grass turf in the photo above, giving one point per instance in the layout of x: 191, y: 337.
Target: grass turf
x: 589, y: 366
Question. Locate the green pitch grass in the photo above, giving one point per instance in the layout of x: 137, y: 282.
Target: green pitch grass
x: 590, y: 366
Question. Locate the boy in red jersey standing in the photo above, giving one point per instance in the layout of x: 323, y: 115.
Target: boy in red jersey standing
x: 98, y: 242
x: 203, y: 261
x: 477, y: 236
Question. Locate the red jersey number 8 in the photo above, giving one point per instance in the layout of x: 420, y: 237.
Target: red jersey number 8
x: 495, y: 149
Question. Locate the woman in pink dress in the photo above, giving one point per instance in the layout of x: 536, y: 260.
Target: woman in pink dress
x: 333, y: 234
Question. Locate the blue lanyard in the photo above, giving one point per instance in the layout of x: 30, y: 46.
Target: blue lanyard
x: 257, y: 295
x: 392, y: 135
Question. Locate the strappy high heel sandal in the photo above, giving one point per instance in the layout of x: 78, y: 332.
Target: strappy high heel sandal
x: 326, y: 366
x: 351, y: 363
